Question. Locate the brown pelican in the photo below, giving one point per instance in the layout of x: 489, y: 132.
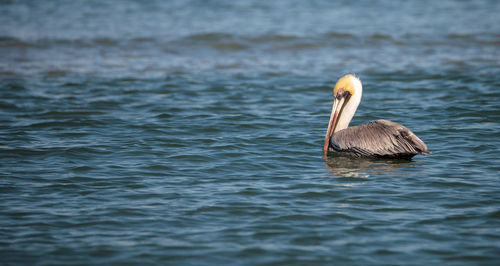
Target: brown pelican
x: 378, y: 139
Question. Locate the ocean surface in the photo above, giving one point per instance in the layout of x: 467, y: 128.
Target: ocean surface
x: 190, y: 133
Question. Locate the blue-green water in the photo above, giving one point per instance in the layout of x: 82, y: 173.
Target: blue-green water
x: 190, y: 132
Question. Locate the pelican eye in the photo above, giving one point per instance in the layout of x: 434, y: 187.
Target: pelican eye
x: 342, y: 93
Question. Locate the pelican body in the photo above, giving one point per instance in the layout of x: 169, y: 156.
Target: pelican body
x: 378, y: 139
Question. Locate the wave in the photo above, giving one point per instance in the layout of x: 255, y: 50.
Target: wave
x: 236, y: 42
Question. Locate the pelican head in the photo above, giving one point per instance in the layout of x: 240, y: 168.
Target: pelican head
x: 347, y: 96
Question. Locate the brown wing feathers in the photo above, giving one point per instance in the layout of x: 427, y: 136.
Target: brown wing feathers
x: 381, y: 138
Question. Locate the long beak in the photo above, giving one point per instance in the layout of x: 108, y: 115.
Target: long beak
x: 336, y: 108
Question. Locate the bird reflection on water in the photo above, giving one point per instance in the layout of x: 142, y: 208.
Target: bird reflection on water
x: 360, y: 168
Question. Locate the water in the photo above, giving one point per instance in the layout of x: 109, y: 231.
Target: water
x: 190, y: 132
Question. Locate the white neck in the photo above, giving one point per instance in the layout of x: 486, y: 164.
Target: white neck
x: 350, y: 107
